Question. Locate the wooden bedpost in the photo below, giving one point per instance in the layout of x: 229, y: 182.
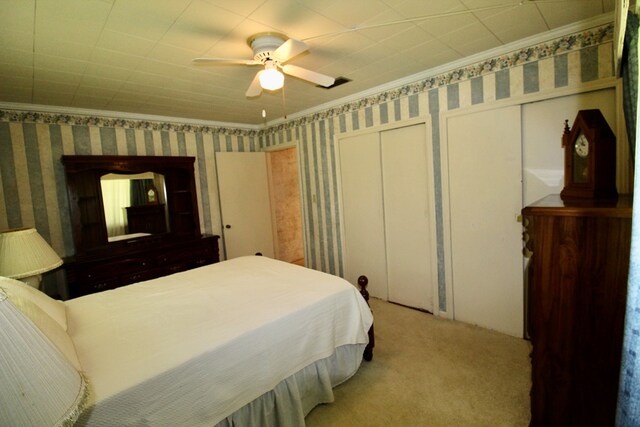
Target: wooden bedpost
x: 368, y: 351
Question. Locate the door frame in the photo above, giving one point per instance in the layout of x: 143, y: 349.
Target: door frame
x: 420, y: 120
x: 293, y: 144
x: 622, y: 171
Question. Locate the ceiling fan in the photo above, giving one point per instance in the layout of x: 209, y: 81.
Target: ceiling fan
x: 272, y: 50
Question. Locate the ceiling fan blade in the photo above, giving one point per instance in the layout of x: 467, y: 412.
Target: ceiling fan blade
x: 213, y: 61
x: 312, y: 76
x: 289, y: 49
x: 254, y: 88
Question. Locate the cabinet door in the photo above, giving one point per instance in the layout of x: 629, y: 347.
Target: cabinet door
x: 406, y: 216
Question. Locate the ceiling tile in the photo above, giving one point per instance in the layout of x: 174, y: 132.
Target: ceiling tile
x: 21, y: 95
x: 125, y: 43
x: 14, y: 56
x: 17, y: 16
x: 51, y: 97
x: 48, y: 85
x: 173, y: 55
x: 470, y: 39
x: 243, y: 8
x: 558, y: 14
x: 107, y: 71
x: 101, y: 82
x: 294, y: 19
x: 149, y: 19
x: 18, y: 71
x: 21, y: 40
x: 350, y: 14
x: 89, y: 102
x: 53, y: 63
x: 511, y: 24
x: 9, y: 81
x: 58, y: 76
x: 62, y: 48
x: 200, y: 26
x: 439, y: 27
x: 116, y: 59
x: 81, y: 20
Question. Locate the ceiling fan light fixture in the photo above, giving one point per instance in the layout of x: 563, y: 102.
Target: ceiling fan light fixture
x: 271, y: 79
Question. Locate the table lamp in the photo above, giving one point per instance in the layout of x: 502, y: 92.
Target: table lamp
x: 25, y: 255
x: 39, y: 386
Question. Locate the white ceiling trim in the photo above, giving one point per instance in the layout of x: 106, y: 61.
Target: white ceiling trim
x: 106, y: 114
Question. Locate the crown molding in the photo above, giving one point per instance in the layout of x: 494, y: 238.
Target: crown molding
x: 107, y: 114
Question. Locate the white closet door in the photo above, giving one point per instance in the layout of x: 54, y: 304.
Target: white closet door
x: 364, y: 238
x: 485, y: 197
x: 406, y: 215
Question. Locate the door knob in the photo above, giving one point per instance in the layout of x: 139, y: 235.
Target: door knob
x: 227, y: 226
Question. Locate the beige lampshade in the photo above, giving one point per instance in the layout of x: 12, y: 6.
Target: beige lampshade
x: 38, y: 385
x: 24, y: 253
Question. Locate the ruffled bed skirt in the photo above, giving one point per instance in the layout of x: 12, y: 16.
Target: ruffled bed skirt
x: 294, y: 397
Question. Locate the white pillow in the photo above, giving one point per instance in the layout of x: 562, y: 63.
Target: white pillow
x: 24, y: 301
x: 57, y: 310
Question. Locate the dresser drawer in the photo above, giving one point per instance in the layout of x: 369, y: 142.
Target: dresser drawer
x: 99, y: 273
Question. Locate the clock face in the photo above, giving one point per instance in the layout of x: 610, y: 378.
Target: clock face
x: 582, y: 146
x: 580, y: 160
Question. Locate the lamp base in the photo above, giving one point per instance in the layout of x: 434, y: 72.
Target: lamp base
x: 33, y: 281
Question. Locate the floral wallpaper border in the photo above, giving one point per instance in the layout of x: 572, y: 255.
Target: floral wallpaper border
x: 80, y: 120
x: 587, y: 38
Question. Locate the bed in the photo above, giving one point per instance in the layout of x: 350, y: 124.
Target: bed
x: 249, y: 341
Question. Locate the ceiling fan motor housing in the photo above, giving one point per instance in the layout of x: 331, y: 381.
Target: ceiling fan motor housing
x: 264, y: 45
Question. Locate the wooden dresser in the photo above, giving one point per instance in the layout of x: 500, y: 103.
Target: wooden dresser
x: 172, y: 239
x: 142, y: 261
x: 576, y: 304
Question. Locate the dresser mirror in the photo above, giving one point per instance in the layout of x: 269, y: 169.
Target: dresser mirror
x: 134, y: 205
x: 165, y: 210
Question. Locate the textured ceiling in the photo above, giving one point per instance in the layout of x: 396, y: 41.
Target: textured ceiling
x: 135, y: 56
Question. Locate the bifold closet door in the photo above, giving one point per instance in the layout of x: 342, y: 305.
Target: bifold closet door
x: 364, y: 239
x: 385, y: 212
x: 406, y: 216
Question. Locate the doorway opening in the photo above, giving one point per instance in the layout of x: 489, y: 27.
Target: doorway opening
x: 286, y: 214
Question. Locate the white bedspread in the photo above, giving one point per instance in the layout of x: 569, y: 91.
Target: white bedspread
x: 196, y: 346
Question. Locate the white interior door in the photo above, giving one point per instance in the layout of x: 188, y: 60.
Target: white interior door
x: 245, y: 204
x: 485, y: 198
x: 364, y: 236
x: 407, y: 216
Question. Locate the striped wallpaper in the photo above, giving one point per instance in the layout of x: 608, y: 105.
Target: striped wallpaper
x: 33, y: 191
x: 32, y: 181
x: 564, y: 63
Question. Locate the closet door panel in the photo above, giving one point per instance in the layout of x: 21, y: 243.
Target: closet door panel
x: 406, y: 215
x: 485, y: 196
x: 364, y: 235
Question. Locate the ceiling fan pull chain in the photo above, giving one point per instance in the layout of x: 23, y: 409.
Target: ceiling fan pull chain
x: 284, y: 109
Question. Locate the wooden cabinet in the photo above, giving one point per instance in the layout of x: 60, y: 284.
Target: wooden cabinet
x: 576, y: 300
x: 87, y: 275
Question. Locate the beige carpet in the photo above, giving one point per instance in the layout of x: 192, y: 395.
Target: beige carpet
x: 428, y: 371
